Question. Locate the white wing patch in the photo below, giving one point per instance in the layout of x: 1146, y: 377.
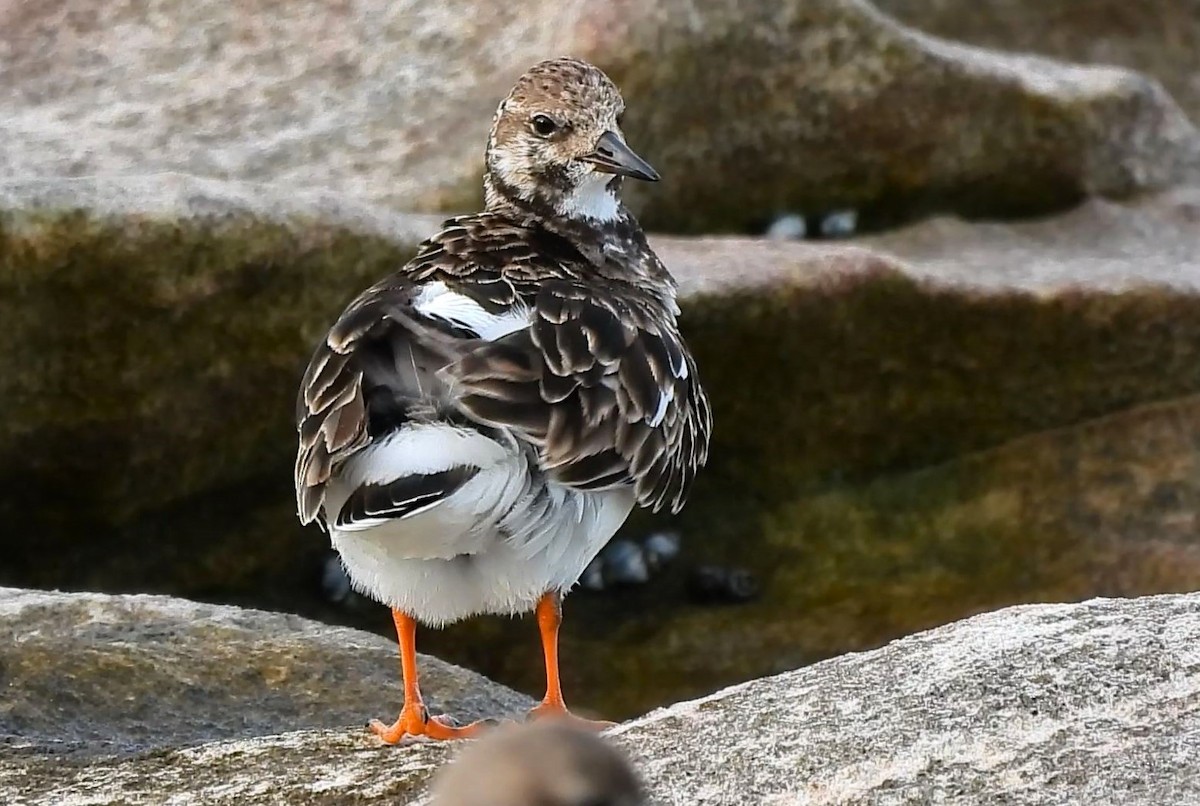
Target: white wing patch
x: 681, y: 371
x: 665, y: 396
x: 421, y: 449
x: 437, y: 301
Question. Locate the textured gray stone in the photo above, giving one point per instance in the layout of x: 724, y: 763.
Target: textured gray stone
x: 88, y: 674
x: 1100, y: 246
x: 1158, y: 37
x: 1092, y: 703
x: 810, y: 105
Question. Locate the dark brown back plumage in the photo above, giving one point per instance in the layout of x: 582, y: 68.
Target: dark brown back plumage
x: 593, y: 380
x: 584, y: 385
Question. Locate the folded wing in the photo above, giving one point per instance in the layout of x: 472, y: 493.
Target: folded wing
x: 602, y: 384
x: 483, y: 328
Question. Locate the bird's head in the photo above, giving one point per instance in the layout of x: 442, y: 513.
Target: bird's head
x: 556, y: 147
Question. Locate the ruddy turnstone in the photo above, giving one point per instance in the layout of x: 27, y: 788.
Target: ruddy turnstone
x: 476, y: 426
x: 548, y: 765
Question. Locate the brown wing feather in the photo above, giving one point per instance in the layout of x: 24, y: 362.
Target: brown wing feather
x: 600, y: 384
x: 332, y: 421
x: 341, y: 388
x: 586, y: 383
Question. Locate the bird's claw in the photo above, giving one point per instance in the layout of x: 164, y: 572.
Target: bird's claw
x: 415, y: 722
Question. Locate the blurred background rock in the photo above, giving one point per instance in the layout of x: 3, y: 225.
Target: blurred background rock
x: 986, y: 391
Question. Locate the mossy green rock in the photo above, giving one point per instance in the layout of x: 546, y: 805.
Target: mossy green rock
x: 1006, y: 414
x: 808, y: 105
x: 155, y: 331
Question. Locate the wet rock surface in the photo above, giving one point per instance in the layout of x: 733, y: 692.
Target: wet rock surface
x: 810, y: 105
x: 1088, y: 703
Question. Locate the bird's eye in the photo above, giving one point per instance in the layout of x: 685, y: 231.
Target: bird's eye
x: 544, y: 125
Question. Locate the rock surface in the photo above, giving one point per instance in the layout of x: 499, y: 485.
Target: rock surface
x: 811, y: 105
x: 158, y: 326
x: 1158, y: 37
x: 1093, y: 703
x: 961, y: 419
x: 88, y: 675
x: 1057, y: 704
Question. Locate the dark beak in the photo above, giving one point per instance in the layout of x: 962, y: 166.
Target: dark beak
x: 614, y: 157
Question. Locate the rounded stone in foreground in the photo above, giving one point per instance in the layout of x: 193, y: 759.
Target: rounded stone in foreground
x: 1092, y: 703
x: 1095, y: 703
x: 92, y: 674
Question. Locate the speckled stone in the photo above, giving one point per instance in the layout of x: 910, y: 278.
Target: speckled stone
x: 1157, y: 37
x: 87, y: 674
x: 809, y: 104
x: 1094, y: 703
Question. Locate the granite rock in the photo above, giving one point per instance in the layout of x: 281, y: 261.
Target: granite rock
x: 1095, y: 703
x: 92, y: 675
x: 810, y: 106
x: 1159, y: 38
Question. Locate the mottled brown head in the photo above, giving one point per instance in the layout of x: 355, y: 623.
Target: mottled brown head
x: 556, y: 147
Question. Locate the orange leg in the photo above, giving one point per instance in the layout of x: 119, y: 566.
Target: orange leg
x: 414, y: 719
x: 549, y: 617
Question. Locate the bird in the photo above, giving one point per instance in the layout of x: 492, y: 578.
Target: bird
x: 552, y: 764
x: 477, y: 425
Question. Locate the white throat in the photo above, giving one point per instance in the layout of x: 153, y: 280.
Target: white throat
x: 592, y: 200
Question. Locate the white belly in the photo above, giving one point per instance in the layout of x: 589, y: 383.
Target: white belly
x: 511, y: 565
x: 495, y: 545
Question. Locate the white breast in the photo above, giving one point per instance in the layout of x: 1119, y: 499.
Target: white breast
x: 593, y: 200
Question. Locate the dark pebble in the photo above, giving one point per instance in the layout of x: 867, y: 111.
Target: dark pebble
x: 660, y: 549
x: 335, y: 585
x: 715, y: 584
x: 625, y: 564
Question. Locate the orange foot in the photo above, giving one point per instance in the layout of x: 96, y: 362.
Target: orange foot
x: 414, y: 721
x: 552, y: 706
x: 549, y: 709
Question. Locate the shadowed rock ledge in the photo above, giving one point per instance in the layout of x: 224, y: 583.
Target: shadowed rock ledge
x: 913, y: 427
x: 1095, y: 703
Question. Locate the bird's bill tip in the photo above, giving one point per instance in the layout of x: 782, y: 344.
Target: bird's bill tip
x: 612, y: 155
